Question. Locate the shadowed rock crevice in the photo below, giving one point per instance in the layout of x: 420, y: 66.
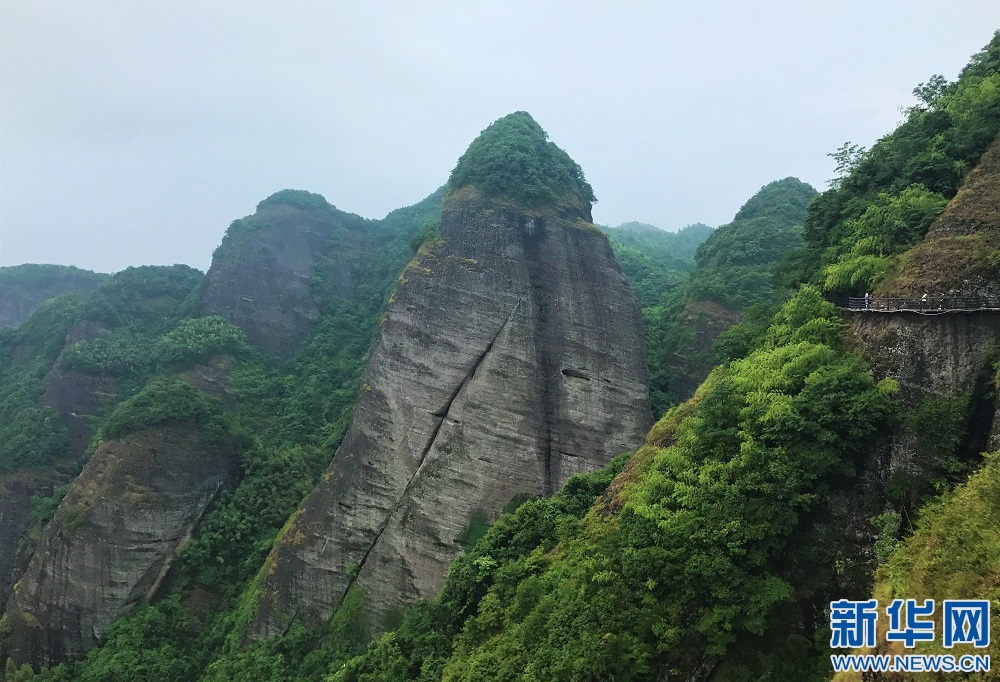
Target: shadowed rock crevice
x: 112, y: 539
x: 482, y: 324
x: 441, y: 415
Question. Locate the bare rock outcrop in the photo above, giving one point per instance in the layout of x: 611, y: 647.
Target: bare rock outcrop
x: 275, y: 267
x: 112, y: 539
x: 77, y: 399
x: 511, y: 358
x: 25, y: 287
x: 935, y: 357
x: 16, y: 490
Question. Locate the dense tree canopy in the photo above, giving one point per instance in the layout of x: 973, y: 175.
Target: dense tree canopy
x: 514, y: 159
x: 887, y: 196
x: 710, y: 549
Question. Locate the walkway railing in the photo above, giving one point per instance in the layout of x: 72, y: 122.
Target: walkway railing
x: 931, y: 305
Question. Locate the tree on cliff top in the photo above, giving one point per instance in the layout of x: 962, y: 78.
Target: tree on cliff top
x: 514, y: 159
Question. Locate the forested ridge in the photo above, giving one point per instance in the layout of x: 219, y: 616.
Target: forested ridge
x: 710, y: 553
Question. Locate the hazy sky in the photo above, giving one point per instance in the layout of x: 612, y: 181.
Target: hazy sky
x: 135, y: 132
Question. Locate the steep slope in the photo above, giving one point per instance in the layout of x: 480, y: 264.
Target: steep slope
x: 79, y: 356
x: 25, y: 287
x: 126, y: 516
x: 278, y: 269
x: 262, y: 275
x: 706, y: 557
x: 58, y: 371
x: 510, y: 359
x: 939, y: 562
x: 112, y: 540
x: 960, y: 256
x: 733, y: 270
x: 945, y: 364
x: 889, y: 195
x: 709, y: 560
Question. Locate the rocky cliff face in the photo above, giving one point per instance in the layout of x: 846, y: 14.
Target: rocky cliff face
x: 76, y: 396
x: 77, y: 399
x: 25, y: 287
x: 960, y: 256
x: 947, y: 357
x: 276, y: 269
x: 112, y: 539
x: 511, y: 358
x: 263, y: 278
x: 16, y: 491
x: 704, y: 321
x: 943, y: 360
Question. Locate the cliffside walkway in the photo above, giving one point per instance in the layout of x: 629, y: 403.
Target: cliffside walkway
x: 933, y: 305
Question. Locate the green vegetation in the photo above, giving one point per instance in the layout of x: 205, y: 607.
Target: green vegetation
x: 656, y: 262
x: 277, y: 208
x: 197, y: 340
x: 513, y: 159
x: 886, y: 196
x: 133, y: 305
x: 888, y: 225
x: 164, y: 401
x: 953, y: 554
x: 297, y: 198
x: 735, y: 263
x: 734, y: 269
x: 46, y: 278
x: 287, y: 421
x: 699, y: 553
x: 714, y: 548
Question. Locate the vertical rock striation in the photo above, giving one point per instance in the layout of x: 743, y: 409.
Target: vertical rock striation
x: 510, y: 359
x: 77, y: 398
x: 112, y: 540
x: 264, y: 276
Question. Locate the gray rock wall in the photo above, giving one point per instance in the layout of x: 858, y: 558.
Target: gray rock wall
x: 16, y: 491
x: 931, y: 356
x: 78, y: 399
x: 264, y: 284
x: 112, y: 540
x: 511, y: 358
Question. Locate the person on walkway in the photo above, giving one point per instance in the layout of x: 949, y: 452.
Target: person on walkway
x: 923, y: 299
x: 868, y: 299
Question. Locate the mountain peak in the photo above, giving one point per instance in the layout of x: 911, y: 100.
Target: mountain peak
x: 513, y: 159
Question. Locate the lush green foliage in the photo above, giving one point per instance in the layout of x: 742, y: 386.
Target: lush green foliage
x: 164, y: 401
x: 658, y: 244
x: 953, y: 554
x: 514, y: 159
x: 735, y: 262
x: 48, y: 277
x: 122, y: 353
x: 135, y: 304
x: 710, y: 534
x: 297, y: 416
x: 888, y: 225
x: 733, y: 270
x: 711, y: 549
x: 197, y: 340
x: 886, y: 196
x: 297, y: 198
x: 656, y: 262
x: 145, y: 647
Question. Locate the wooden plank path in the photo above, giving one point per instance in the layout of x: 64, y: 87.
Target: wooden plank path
x: 931, y: 305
